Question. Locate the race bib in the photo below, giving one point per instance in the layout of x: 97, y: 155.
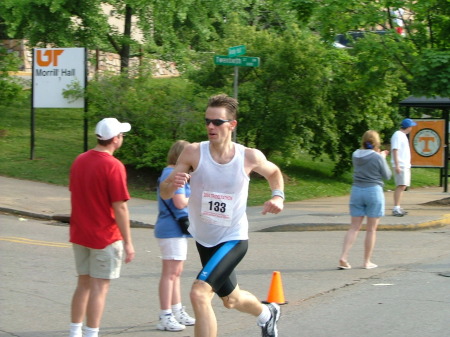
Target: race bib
x: 217, y: 208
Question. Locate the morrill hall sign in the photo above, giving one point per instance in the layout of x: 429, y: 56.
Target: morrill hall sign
x: 54, y: 71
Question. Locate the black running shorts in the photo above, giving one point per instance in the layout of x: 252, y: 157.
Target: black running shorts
x: 219, y: 263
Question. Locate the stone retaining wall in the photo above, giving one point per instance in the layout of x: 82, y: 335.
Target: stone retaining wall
x: 98, y: 61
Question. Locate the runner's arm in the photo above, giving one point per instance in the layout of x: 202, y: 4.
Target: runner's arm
x: 179, y: 176
x: 258, y: 162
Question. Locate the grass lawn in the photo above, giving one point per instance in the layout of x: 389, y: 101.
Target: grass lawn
x: 59, y: 139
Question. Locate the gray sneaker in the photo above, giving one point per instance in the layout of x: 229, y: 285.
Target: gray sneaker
x: 396, y: 212
x: 270, y: 328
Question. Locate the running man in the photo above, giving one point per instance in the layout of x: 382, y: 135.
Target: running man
x: 217, y: 212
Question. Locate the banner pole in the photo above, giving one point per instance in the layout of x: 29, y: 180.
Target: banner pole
x: 32, y: 108
x: 86, y: 122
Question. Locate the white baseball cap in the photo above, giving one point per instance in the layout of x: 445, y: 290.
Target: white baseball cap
x: 108, y: 128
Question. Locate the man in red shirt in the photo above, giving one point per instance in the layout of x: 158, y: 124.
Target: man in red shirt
x: 99, y: 225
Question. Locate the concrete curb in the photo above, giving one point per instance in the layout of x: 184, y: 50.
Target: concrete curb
x: 344, y: 227
x: 310, y: 227
x: 63, y: 218
x: 28, y: 214
x: 444, y: 221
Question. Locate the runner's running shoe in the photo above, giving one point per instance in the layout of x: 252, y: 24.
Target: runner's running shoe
x: 270, y: 328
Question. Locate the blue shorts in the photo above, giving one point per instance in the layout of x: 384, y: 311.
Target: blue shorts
x: 367, y: 201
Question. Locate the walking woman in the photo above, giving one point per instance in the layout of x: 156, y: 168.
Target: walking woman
x: 367, y: 198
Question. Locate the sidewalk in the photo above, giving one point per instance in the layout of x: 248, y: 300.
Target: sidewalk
x: 52, y: 202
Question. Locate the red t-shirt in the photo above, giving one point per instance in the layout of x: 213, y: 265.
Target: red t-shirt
x: 97, y: 179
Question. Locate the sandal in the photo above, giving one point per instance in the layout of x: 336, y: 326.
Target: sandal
x: 344, y: 265
x: 370, y: 266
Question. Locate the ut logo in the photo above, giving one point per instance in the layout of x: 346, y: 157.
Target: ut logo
x: 50, y: 56
x: 427, y: 141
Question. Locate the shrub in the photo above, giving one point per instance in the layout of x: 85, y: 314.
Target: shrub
x: 160, y: 112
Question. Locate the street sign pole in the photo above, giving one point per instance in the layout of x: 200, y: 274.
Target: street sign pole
x: 235, y: 87
x: 236, y: 79
x: 235, y: 59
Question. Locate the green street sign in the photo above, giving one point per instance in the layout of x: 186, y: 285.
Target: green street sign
x: 243, y: 61
x: 237, y: 51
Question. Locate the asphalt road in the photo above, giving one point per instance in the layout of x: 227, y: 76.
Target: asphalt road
x: 405, y: 296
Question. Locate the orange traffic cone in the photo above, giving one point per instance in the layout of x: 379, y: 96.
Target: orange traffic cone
x: 276, y: 293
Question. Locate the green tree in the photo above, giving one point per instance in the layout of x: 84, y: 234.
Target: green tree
x: 306, y: 95
x: 70, y: 24
x: 171, y: 29
x: 422, y: 53
x: 10, y: 87
x: 364, y: 94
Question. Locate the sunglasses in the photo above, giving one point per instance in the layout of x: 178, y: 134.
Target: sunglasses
x: 216, y: 122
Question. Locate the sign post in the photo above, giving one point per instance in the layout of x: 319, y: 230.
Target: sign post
x: 235, y: 59
x: 232, y: 52
x: 55, y: 70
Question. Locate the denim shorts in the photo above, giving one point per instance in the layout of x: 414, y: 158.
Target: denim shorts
x: 367, y: 201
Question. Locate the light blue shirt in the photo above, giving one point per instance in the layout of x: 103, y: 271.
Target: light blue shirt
x: 166, y: 226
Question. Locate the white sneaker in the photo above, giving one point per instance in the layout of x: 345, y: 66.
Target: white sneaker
x: 183, y: 317
x: 169, y: 323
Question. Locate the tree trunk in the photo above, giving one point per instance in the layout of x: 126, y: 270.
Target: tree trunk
x: 125, y: 50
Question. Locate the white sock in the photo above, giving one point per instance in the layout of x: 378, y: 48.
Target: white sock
x: 165, y: 312
x: 76, y: 330
x: 177, y: 307
x: 396, y: 208
x: 264, y: 316
x: 90, y: 332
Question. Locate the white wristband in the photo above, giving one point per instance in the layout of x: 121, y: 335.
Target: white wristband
x: 278, y: 193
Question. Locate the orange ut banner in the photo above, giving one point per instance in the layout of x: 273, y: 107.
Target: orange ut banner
x: 427, y: 142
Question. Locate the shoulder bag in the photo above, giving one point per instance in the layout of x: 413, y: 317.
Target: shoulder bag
x: 183, y: 222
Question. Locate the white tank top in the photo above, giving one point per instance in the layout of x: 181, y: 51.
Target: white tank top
x: 218, y: 201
